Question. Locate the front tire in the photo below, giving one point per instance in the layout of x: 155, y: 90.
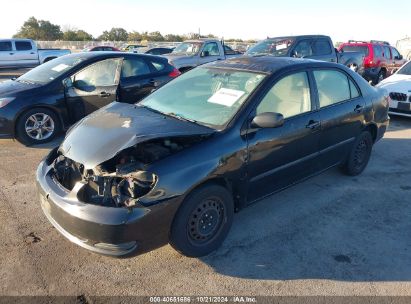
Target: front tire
x: 37, y: 126
x: 203, y: 221
x: 359, y: 155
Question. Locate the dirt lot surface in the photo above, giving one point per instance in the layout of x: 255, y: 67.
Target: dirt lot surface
x: 330, y: 235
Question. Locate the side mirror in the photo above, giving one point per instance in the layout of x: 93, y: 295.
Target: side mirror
x: 267, y: 120
x: 67, y: 82
x: 205, y: 54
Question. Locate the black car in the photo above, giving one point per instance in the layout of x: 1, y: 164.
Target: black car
x: 38, y: 105
x: 159, y: 51
x: 176, y: 166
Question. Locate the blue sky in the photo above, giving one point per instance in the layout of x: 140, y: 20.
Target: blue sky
x: 257, y: 19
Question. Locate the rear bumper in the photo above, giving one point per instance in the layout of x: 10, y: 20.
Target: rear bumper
x: 382, y: 128
x: 398, y: 112
x: 103, y: 230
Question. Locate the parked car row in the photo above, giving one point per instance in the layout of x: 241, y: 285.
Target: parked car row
x: 48, y: 99
x: 380, y: 58
x: 316, y: 47
x: 131, y: 48
x: 23, y: 53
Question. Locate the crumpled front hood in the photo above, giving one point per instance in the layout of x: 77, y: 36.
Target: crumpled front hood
x: 106, y: 132
x: 10, y: 88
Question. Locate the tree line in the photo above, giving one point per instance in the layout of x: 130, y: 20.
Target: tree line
x: 44, y: 30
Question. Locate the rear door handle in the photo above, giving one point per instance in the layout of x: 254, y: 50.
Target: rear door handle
x: 154, y: 82
x: 11, y: 53
x: 104, y: 94
x: 358, y: 109
x: 313, y: 124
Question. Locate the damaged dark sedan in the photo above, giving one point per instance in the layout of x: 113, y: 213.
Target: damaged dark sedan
x: 176, y: 166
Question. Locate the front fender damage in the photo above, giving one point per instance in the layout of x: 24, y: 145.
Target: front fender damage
x: 123, y: 179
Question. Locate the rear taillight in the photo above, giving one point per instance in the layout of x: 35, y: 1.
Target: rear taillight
x: 368, y: 62
x: 174, y: 73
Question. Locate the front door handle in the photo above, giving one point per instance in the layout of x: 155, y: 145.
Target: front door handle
x: 313, y: 124
x: 358, y: 109
x: 104, y: 94
x: 11, y: 53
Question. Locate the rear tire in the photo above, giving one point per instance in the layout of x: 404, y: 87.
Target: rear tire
x: 203, y: 221
x: 380, y: 77
x: 37, y: 126
x: 359, y: 155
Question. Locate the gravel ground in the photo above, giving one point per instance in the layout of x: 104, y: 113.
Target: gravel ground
x: 330, y: 235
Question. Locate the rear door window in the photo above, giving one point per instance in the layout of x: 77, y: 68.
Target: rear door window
x: 333, y: 87
x: 158, y: 65
x: 377, y: 51
x: 387, y: 52
x: 321, y: 47
x: 212, y: 49
x: 133, y: 67
x: 23, y: 45
x: 303, y: 48
x: 5, y: 46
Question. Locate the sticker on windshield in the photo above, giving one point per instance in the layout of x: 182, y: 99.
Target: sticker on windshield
x: 226, y: 97
x: 281, y: 46
x: 60, y: 67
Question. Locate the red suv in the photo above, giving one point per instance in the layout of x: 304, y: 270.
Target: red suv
x: 380, y: 59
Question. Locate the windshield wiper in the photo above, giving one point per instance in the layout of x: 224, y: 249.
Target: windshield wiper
x: 25, y: 81
x: 180, y: 117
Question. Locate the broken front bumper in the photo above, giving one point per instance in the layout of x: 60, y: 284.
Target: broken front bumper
x: 104, y: 230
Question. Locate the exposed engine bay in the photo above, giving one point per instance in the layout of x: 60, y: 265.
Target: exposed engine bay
x: 122, y: 180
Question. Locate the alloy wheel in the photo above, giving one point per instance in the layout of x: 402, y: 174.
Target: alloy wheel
x: 39, y: 126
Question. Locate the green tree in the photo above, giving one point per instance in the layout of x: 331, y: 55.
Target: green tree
x: 84, y: 36
x: 155, y: 36
x: 76, y: 35
x: 173, y: 38
x: 134, y: 36
x: 39, y: 30
x: 115, y: 34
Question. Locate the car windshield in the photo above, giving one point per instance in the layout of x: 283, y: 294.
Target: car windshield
x: 405, y: 69
x: 356, y: 48
x: 50, y: 70
x: 206, y: 96
x: 274, y: 47
x: 188, y: 48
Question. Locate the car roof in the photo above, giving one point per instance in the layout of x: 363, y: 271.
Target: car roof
x: 299, y: 37
x: 203, y: 40
x: 267, y: 64
x: 110, y: 54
